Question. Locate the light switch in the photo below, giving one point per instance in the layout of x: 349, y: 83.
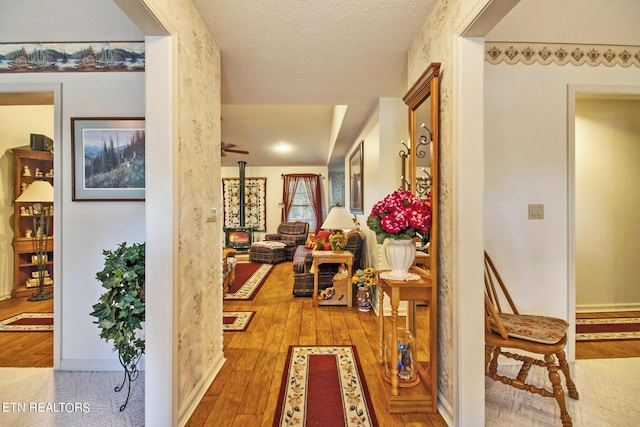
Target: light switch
x: 213, y: 214
x: 536, y: 211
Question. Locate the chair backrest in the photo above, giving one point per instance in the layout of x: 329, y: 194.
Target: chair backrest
x: 494, y: 296
x: 293, y: 228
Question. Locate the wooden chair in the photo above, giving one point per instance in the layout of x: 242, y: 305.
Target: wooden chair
x: 541, y: 335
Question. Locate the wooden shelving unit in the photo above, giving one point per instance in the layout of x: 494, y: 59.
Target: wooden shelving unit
x: 40, y: 166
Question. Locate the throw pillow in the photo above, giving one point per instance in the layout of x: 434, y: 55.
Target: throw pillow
x: 311, y: 241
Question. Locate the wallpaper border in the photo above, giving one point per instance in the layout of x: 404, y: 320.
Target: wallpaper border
x: 562, y: 54
x: 65, y: 57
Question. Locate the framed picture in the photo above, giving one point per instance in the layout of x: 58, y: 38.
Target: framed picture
x: 108, y: 158
x: 355, y: 179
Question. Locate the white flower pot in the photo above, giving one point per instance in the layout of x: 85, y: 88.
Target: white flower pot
x: 400, y: 255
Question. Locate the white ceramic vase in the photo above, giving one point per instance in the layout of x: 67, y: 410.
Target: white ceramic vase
x: 400, y: 255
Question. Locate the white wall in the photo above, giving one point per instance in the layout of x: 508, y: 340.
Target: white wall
x: 16, y: 123
x: 386, y: 127
x: 526, y: 162
x: 274, y: 189
x: 87, y: 227
x: 607, y: 165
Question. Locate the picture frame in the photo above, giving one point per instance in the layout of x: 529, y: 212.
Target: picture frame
x: 108, y: 158
x: 356, y: 168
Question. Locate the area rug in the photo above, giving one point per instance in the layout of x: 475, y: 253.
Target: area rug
x: 323, y: 386
x: 614, y: 328
x: 249, y: 279
x: 28, y: 322
x: 236, y: 321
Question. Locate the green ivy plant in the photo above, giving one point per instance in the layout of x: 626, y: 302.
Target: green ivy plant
x: 121, y: 308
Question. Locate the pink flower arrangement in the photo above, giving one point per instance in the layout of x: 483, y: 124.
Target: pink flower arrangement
x: 400, y: 215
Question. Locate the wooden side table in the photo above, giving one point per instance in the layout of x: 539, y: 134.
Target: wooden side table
x: 421, y: 397
x: 333, y: 257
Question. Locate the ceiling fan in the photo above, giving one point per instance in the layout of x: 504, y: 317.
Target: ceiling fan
x: 229, y: 148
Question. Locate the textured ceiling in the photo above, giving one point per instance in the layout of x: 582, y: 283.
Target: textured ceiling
x: 286, y: 64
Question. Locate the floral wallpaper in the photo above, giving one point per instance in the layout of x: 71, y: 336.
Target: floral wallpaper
x: 434, y: 44
x: 199, y: 278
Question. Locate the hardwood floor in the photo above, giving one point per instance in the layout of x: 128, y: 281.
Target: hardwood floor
x: 25, y: 349
x: 245, y: 392
x: 607, y: 349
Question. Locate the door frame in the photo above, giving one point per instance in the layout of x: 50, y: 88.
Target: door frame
x: 56, y: 89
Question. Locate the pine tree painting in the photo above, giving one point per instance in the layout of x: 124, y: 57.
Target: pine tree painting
x: 114, y: 158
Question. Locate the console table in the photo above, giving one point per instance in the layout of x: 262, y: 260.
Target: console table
x: 420, y: 396
x: 334, y: 257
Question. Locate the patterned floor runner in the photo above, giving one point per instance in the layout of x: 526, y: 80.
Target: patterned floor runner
x: 249, y: 279
x: 620, y: 328
x: 236, y: 321
x: 323, y: 386
x: 27, y: 322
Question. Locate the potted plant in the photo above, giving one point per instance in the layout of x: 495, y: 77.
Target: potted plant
x: 399, y: 218
x: 121, y: 308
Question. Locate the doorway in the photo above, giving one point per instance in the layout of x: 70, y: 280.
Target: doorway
x: 27, y: 339
x: 603, y: 158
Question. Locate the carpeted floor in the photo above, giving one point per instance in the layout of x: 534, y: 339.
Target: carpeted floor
x: 609, y: 390
x: 42, y: 397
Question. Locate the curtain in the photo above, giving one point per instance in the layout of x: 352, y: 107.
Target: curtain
x: 311, y: 184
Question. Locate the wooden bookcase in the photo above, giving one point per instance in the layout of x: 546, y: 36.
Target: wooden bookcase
x: 40, y: 166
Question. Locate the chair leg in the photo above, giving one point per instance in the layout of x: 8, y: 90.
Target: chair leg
x: 487, y: 357
x: 564, y: 366
x: 557, y: 389
x: 493, y: 365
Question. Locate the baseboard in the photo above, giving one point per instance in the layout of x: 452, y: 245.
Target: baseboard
x: 598, y: 308
x: 90, y: 365
x: 195, y: 396
x: 445, y: 409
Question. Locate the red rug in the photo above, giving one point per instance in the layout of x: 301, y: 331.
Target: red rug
x: 236, y: 321
x: 28, y: 322
x: 613, y: 328
x: 323, y: 386
x: 249, y: 279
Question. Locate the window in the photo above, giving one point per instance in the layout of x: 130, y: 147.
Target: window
x: 302, y: 199
x: 301, y: 209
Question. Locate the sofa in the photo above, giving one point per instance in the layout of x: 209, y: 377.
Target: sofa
x: 228, y: 268
x: 292, y: 234
x: 302, y: 261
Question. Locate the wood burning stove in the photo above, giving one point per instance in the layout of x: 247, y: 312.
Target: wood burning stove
x: 240, y: 237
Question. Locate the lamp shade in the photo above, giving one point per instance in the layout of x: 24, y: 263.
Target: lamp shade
x: 37, y: 192
x: 338, y: 219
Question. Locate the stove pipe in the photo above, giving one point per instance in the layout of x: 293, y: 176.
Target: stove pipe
x: 241, y: 165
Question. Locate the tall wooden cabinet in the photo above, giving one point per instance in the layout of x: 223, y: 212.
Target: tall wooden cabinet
x: 29, y: 165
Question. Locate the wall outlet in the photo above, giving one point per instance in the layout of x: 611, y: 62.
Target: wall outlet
x: 536, y: 211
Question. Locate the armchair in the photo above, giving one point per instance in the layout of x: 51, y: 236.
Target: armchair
x: 292, y: 234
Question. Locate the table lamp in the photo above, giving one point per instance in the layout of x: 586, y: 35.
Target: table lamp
x: 337, y: 220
